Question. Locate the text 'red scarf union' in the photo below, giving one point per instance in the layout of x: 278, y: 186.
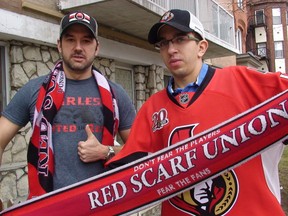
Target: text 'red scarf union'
x: 49, y: 101
x: 139, y: 184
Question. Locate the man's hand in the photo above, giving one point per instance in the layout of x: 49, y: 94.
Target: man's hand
x: 91, y: 150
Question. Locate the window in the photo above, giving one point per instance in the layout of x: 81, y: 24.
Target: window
x: 3, y: 77
x: 259, y: 17
x: 239, y: 40
x: 240, y: 4
x: 279, y: 54
x: 276, y: 13
x: 261, y: 49
x: 124, y: 76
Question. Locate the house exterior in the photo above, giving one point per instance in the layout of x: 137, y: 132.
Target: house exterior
x: 267, y: 34
x: 29, y: 30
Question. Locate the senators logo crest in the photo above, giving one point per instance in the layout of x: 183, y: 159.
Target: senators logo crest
x: 214, y: 197
x: 167, y: 17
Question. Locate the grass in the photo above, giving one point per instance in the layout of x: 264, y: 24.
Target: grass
x: 283, y: 170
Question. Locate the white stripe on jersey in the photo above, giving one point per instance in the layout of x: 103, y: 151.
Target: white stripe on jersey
x: 284, y: 76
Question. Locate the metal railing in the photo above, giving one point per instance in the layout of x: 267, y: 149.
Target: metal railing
x: 215, y: 19
x: 157, y: 6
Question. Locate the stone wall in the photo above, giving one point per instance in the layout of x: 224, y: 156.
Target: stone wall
x: 148, y: 80
x: 28, y: 61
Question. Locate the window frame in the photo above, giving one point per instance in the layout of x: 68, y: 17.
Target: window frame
x: 130, y: 69
x: 239, y: 40
x: 276, y: 20
x: 257, y: 15
x: 5, y: 78
x: 260, y: 48
x: 279, y: 53
x: 240, y: 4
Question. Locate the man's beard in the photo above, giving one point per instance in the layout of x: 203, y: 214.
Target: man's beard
x: 77, y: 67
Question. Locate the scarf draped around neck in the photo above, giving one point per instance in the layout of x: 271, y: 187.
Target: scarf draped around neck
x: 49, y: 101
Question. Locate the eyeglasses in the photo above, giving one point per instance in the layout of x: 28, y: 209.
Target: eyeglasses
x: 177, y: 41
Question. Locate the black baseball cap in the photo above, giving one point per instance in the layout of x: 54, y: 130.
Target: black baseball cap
x: 182, y: 20
x: 79, y: 18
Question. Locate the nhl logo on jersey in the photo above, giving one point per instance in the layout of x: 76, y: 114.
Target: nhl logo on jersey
x: 183, y: 98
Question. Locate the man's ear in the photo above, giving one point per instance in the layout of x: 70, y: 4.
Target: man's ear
x: 97, y: 48
x: 59, y: 46
x: 203, y: 46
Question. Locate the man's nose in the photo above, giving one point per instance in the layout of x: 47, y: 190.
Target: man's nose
x: 171, y: 47
x: 78, y: 45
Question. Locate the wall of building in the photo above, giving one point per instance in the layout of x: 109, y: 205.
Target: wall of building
x: 22, y: 7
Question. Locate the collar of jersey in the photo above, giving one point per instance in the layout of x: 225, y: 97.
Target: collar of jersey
x: 191, y: 87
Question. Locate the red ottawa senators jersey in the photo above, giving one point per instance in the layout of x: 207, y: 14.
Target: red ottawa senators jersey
x: 251, y: 188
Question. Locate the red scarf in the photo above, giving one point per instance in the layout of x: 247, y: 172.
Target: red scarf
x: 143, y: 183
x: 49, y: 101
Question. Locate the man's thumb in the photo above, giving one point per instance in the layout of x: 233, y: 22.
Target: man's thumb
x: 88, y: 131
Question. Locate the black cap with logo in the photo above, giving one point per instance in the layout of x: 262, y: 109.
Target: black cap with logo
x: 79, y: 18
x: 182, y: 20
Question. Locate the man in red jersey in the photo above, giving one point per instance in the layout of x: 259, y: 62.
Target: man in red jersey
x: 197, y: 98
